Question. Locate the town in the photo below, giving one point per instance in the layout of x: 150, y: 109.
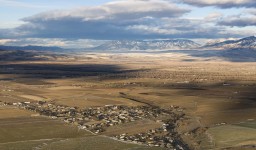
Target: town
x: 98, y: 119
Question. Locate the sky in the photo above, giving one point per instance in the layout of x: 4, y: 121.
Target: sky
x: 88, y: 23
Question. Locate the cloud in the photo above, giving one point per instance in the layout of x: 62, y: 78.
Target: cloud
x: 222, y: 3
x: 109, y: 21
x: 123, y: 19
x: 183, y: 28
x: 117, y: 10
x: 213, y: 16
x: 251, y: 11
x: 238, y: 21
x: 5, y: 41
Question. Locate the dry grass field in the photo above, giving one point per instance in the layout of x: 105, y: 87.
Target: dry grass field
x: 12, y: 112
x: 217, y: 96
x: 232, y: 135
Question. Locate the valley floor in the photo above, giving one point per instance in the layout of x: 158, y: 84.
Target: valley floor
x: 217, y: 97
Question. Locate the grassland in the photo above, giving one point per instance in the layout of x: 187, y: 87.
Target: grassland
x: 233, y: 136
x: 13, y: 112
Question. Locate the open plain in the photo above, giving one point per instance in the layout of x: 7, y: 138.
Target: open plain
x: 217, y: 98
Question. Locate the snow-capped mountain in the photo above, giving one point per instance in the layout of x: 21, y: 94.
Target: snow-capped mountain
x: 245, y: 43
x: 178, y: 44
x: 148, y: 45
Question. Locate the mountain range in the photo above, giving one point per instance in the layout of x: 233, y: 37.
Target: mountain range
x: 244, y: 43
x: 241, y: 50
x: 177, y: 44
x: 154, y: 45
x: 133, y: 45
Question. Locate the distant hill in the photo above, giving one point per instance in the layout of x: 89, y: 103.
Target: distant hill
x: 132, y: 45
x: 25, y: 53
x: 241, y: 50
x: 244, y: 43
x: 30, y: 47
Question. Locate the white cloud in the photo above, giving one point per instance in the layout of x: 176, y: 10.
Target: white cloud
x: 213, y: 16
x: 123, y: 10
x: 222, y: 3
x: 5, y: 41
x: 122, y: 19
x: 240, y: 20
x: 251, y: 11
x: 105, y: 22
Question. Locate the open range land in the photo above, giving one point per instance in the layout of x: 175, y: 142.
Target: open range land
x: 127, y: 101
